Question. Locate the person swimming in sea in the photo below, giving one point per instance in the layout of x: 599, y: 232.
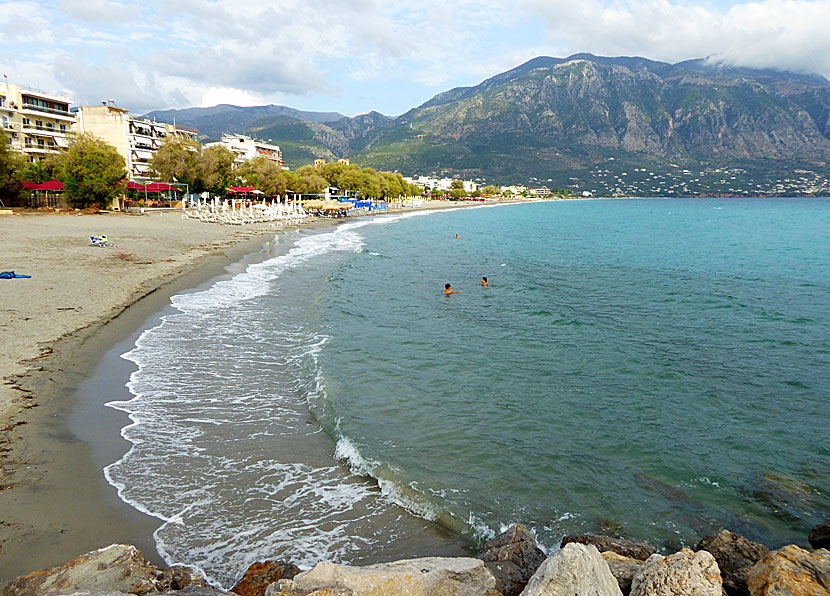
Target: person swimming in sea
x: 448, y: 290
x: 483, y: 282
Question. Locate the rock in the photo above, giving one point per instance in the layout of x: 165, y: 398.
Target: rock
x: 287, y: 587
x: 429, y: 576
x: 626, y: 548
x: 820, y: 535
x: 791, y: 571
x: 734, y: 555
x: 196, y: 591
x: 576, y: 570
x: 180, y: 579
x: 622, y: 568
x: 260, y: 575
x: 115, y: 568
x: 512, y: 557
x: 684, y: 573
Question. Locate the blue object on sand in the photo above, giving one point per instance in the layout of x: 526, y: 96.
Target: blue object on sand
x: 11, y: 275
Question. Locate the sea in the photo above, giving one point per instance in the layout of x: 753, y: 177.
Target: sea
x: 649, y: 368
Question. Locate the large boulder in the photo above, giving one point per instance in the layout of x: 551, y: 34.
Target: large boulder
x: 512, y: 557
x: 576, y: 570
x: 626, y: 548
x: 115, y: 568
x: 791, y: 571
x: 735, y: 555
x: 429, y: 576
x: 684, y: 573
x: 622, y: 568
x: 820, y: 535
x: 262, y: 574
x: 287, y: 587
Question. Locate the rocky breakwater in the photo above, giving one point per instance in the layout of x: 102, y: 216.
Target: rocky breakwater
x: 510, y: 565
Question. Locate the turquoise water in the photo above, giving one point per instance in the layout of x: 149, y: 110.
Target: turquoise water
x: 651, y: 368
x: 656, y: 367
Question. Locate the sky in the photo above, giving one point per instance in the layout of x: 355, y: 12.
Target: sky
x: 354, y: 57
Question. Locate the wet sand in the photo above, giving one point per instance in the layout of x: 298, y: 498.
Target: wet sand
x: 80, y: 302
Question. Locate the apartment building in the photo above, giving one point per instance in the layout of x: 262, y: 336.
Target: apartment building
x: 136, y: 139
x: 247, y: 148
x: 35, y: 122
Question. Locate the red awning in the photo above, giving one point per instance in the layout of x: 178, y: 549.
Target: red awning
x: 134, y: 186
x: 157, y: 187
x: 241, y: 189
x: 51, y: 185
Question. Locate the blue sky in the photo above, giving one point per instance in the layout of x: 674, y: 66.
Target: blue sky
x: 353, y: 57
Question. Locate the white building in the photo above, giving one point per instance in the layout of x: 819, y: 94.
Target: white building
x: 35, y: 122
x: 136, y: 139
x: 247, y: 149
x: 514, y: 190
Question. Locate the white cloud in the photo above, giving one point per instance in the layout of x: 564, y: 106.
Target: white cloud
x: 238, y: 97
x: 171, y: 53
x: 784, y: 34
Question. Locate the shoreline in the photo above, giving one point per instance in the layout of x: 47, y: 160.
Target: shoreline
x: 57, y: 503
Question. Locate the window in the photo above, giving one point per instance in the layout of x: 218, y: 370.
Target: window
x: 39, y: 123
x: 25, y: 122
x: 63, y: 127
x: 41, y: 143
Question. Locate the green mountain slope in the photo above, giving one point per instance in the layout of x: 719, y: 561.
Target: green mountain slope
x: 628, y: 124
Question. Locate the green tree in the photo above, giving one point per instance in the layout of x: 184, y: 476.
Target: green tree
x: 457, y: 193
x: 12, y: 166
x: 92, y: 172
x: 489, y: 190
x: 265, y: 175
x: 177, y: 161
x: 214, y: 169
x: 41, y: 171
x: 457, y: 184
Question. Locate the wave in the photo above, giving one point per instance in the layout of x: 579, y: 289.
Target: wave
x: 222, y: 449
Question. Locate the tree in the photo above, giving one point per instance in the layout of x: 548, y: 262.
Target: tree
x: 41, y: 171
x: 214, y: 170
x: 92, y: 172
x: 265, y: 175
x: 177, y: 161
x: 457, y: 184
x: 489, y: 190
x: 457, y: 193
x: 12, y: 165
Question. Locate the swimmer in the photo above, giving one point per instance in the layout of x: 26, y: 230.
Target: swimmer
x: 483, y: 282
x: 457, y: 236
x: 448, y: 290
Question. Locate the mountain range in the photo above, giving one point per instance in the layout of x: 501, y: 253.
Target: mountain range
x: 625, y: 124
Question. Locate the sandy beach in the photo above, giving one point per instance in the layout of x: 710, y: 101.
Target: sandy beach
x: 55, y: 326
x: 80, y: 302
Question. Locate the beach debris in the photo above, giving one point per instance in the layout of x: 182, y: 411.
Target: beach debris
x: 262, y: 574
x: 685, y: 572
x: 429, y: 576
x: 791, y: 571
x: 512, y: 557
x: 621, y: 546
x: 820, y: 535
x: 622, y: 568
x: 115, y: 568
x: 576, y: 570
x: 735, y: 555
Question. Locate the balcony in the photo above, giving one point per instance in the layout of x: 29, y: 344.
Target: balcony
x: 43, y: 131
x: 62, y: 114
x: 39, y: 149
